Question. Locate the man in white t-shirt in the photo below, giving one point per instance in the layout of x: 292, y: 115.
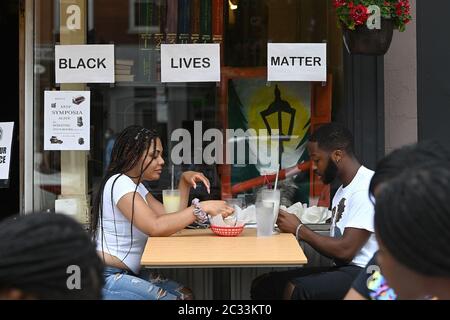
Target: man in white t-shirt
x: 351, y: 243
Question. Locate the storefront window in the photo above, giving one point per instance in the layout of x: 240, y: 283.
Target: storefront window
x: 242, y: 100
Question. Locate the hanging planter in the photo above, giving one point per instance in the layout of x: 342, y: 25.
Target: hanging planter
x: 368, y: 24
x: 367, y: 41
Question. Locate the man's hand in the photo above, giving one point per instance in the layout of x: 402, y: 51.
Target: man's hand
x: 287, y: 222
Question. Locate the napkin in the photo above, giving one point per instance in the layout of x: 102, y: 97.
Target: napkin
x: 230, y: 221
x: 248, y: 215
x: 308, y: 215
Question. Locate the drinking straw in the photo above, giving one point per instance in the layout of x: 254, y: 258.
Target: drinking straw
x: 172, y: 175
x: 276, y: 179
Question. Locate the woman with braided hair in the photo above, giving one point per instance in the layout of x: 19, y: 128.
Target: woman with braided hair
x: 125, y: 214
x: 48, y: 256
x: 370, y: 283
x: 412, y: 223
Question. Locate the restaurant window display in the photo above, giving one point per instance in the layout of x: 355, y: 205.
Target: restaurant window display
x: 243, y: 102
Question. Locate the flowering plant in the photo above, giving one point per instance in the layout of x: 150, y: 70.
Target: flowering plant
x: 353, y: 13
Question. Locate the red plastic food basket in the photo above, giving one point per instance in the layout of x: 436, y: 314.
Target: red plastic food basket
x: 227, y: 231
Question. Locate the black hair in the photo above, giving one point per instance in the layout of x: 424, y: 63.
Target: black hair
x: 333, y: 136
x: 37, y: 251
x: 409, y: 156
x: 127, y: 151
x: 412, y: 218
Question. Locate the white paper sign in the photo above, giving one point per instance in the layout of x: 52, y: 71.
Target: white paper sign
x: 67, y: 120
x: 67, y: 206
x: 6, y: 134
x: 190, y: 62
x: 297, y: 61
x: 84, y: 63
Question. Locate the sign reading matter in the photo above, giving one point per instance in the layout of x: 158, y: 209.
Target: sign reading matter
x: 190, y: 62
x: 6, y: 133
x: 67, y: 120
x: 84, y: 63
x: 297, y: 62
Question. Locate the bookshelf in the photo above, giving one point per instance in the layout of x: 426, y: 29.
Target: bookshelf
x: 154, y: 84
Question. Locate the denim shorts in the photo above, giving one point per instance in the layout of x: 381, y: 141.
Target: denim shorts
x: 124, y: 285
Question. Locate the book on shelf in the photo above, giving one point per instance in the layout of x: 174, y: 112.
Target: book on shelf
x: 161, y: 19
x: 145, y: 56
x: 217, y: 21
x: 160, y: 36
x: 148, y: 15
x: 195, y: 21
x: 184, y: 21
x: 123, y: 67
x: 124, y: 62
x: 171, y: 21
x: 124, y: 77
x: 123, y: 71
x: 205, y: 21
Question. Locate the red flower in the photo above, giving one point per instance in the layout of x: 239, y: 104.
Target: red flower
x: 402, y: 7
x: 339, y: 3
x: 359, y: 14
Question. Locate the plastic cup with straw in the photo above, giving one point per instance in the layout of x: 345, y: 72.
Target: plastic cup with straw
x: 276, y: 197
x: 271, y: 197
x: 276, y: 179
x: 173, y: 174
x: 171, y: 197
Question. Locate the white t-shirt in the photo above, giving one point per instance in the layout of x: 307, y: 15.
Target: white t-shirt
x: 116, y: 233
x: 352, y: 208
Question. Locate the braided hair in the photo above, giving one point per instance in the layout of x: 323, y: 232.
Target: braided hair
x: 130, y: 145
x: 414, y: 155
x: 37, y: 251
x: 412, y: 218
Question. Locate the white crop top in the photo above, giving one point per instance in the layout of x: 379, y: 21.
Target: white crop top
x: 115, y: 229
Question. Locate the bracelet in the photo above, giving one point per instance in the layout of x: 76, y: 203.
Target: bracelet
x: 200, y: 215
x: 297, y: 231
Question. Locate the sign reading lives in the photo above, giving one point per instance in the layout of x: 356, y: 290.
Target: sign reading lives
x: 67, y: 120
x: 297, y: 62
x: 6, y: 133
x: 84, y: 63
x: 190, y: 62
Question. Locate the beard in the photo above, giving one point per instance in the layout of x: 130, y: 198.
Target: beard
x: 330, y: 173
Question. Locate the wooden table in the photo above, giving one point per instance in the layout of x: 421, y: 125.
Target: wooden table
x: 204, y: 249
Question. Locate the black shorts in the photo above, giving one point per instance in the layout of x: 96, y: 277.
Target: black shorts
x: 322, y: 283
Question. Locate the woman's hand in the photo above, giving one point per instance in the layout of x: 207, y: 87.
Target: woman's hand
x: 216, y: 207
x: 191, y: 178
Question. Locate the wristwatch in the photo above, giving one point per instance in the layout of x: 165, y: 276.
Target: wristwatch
x: 200, y: 215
